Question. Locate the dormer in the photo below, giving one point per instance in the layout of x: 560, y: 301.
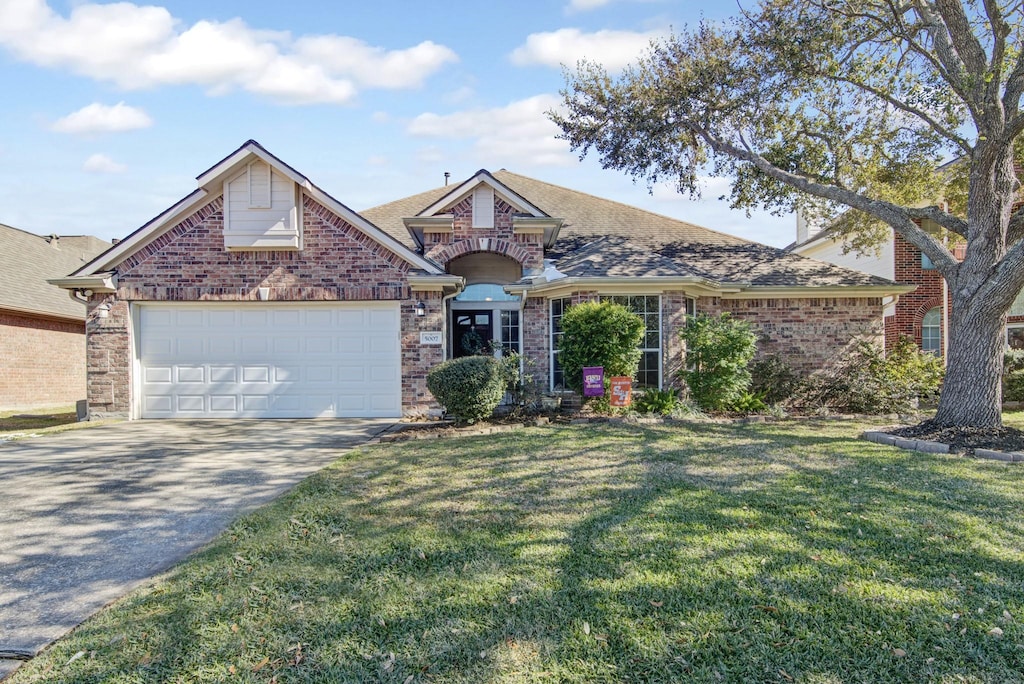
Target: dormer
x: 262, y: 209
x: 481, y: 207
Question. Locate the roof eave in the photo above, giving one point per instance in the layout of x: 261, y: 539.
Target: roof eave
x: 794, y: 291
x: 620, y: 283
x: 97, y: 282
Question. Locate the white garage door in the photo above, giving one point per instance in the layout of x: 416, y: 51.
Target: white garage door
x: 269, y: 360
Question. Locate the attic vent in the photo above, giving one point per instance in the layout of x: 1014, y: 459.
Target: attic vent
x: 483, y: 207
x: 259, y: 185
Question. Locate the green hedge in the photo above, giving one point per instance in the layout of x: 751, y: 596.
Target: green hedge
x: 469, y: 388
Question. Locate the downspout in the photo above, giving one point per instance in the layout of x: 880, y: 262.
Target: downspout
x: 522, y: 328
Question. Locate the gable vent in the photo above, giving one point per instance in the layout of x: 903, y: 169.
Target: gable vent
x: 259, y: 185
x: 483, y: 207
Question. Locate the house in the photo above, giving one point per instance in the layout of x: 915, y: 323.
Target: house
x: 920, y: 315
x: 260, y: 295
x: 42, y: 330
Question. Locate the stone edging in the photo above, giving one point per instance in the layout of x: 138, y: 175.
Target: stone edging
x: 936, y: 447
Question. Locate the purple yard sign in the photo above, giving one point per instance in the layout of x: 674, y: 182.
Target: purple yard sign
x: 593, y: 381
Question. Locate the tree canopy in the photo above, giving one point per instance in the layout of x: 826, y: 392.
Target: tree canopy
x: 905, y: 111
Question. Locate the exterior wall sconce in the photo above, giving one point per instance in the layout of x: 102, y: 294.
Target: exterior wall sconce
x: 421, y: 309
x: 103, y: 310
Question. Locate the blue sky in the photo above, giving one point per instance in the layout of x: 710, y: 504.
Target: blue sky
x: 112, y: 109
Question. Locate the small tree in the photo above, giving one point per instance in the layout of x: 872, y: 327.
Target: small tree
x: 599, y: 334
x: 718, y: 350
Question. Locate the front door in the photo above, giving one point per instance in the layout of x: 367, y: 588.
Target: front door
x: 472, y: 332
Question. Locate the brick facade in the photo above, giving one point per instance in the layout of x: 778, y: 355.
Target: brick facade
x: 912, y: 306
x: 42, y: 361
x: 808, y: 333
x: 189, y: 263
x: 526, y: 249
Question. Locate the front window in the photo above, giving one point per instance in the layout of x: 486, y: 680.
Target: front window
x: 558, y: 307
x: 931, y: 331
x: 647, y: 307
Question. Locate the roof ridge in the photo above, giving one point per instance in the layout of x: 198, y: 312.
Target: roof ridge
x: 630, y: 207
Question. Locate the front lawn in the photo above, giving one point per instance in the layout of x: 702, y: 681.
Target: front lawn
x: 595, y: 553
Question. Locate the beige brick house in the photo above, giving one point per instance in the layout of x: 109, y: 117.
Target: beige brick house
x: 260, y: 295
x: 42, y: 329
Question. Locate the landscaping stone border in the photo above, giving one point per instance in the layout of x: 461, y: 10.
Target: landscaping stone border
x: 936, y: 447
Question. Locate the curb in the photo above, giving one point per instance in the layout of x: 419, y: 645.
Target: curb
x: 927, y: 447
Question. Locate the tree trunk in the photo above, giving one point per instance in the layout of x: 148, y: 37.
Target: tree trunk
x: 972, y: 391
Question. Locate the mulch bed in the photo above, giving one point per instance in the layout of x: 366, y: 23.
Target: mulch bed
x: 965, y: 439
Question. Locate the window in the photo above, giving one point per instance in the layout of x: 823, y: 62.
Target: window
x: 485, y: 292
x: 926, y: 263
x: 647, y: 307
x: 931, y: 331
x: 510, y: 331
x: 558, y: 307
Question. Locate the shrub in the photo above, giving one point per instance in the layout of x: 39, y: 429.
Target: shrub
x: 469, y: 388
x: 660, y: 402
x: 599, y: 334
x: 773, y: 379
x: 718, y: 349
x: 519, y: 380
x: 867, y: 380
x: 1013, y: 375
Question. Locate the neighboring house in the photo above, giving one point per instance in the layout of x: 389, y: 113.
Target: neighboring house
x: 921, y: 315
x: 42, y: 330
x: 260, y: 295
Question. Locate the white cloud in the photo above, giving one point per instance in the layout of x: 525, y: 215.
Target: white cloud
x: 520, y: 132
x: 100, y: 118
x: 101, y: 163
x: 587, y: 5
x: 140, y: 47
x: 613, y: 49
x: 373, y: 66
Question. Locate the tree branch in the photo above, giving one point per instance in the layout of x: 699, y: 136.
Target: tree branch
x: 898, y: 217
x: 945, y: 132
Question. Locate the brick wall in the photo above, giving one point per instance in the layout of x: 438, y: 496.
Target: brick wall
x: 911, y: 307
x: 189, y: 263
x: 808, y: 333
x: 42, y: 361
x: 527, y: 249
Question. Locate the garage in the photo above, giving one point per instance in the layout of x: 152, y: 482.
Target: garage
x: 259, y: 360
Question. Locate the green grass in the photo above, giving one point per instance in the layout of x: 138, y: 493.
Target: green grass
x: 595, y: 553
x: 35, y: 420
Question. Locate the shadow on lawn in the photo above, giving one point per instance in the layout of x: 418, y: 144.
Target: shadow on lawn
x: 611, y: 554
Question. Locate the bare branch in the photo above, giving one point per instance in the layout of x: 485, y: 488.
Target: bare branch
x: 964, y: 41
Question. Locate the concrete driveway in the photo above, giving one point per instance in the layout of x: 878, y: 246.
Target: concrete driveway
x: 87, y: 515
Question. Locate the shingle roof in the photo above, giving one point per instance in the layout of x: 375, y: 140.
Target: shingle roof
x: 601, y: 237
x: 28, y: 260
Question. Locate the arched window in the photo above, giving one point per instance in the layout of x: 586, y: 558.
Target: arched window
x: 931, y: 331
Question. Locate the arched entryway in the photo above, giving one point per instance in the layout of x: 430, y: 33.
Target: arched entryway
x: 484, y: 318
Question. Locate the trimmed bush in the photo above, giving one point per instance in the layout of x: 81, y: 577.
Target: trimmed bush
x: 599, y: 334
x: 718, y: 350
x: 469, y: 388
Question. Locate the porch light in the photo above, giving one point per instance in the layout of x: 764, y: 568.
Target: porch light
x: 421, y: 309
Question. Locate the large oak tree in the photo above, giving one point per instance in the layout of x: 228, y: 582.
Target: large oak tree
x: 848, y: 109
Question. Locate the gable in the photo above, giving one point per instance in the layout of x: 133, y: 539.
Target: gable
x: 261, y: 209
x: 264, y: 211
